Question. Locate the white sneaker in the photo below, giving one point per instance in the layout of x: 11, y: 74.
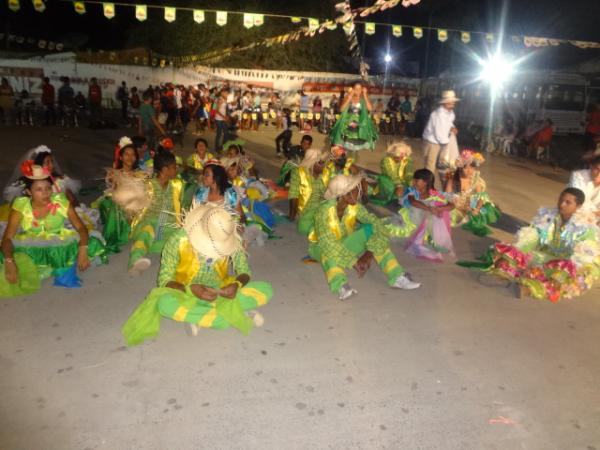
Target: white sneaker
x: 403, y: 282
x: 346, y: 292
x: 257, y: 318
x: 139, y: 266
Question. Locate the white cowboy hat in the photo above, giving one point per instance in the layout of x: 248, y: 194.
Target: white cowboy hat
x: 212, y: 231
x: 449, y: 97
x: 311, y: 157
x: 399, y: 149
x: 340, y: 185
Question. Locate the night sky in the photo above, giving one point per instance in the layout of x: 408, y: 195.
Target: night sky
x: 573, y: 19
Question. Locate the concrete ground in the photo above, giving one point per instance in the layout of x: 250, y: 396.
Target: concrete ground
x: 453, y: 365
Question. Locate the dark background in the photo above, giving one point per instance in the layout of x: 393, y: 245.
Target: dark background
x: 574, y: 19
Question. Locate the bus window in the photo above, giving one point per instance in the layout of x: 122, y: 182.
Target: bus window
x: 564, y: 98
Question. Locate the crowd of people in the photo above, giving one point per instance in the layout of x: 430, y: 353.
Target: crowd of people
x: 204, y: 213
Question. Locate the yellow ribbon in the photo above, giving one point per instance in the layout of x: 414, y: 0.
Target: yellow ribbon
x: 177, y: 188
x: 334, y: 223
x: 305, y: 188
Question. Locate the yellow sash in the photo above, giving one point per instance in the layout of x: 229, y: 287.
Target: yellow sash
x: 334, y: 223
x: 330, y: 170
x: 306, y: 182
x: 177, y: 188
x: 188, y: 265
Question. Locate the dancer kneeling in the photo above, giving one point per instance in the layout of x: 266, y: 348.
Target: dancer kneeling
x: 346, y: 235
x: 36, y: 243
x: 195, y: 285
x: 556, y: 257
x: 396, y: 174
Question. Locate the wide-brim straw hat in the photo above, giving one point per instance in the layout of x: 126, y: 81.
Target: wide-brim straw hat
x: 212, y: 231
x: 340, y: 185
x: 312, y: 157
x: 130, y: 193
x: 228, y: 162
x: 399, y: 149
x: 38, y: 173
x: 448, y: 97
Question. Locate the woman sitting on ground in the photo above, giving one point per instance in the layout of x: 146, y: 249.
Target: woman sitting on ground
x: 556, y: 257
x: 217, y: 189
x: 36, y: 244
x: 467, y: 190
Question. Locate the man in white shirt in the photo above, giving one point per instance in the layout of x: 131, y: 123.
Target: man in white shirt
x: 437, y: 131
x: 588, y: 180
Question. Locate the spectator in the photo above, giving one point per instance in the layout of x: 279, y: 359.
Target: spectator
x: 406, y: 108
x: 95, y: 101
x: 222, y: 119
x: 148, y: 123
x: 303, y: 108
x: 66, y: 102
x: 282, y: 141
x: 592, y: 130
x: 438, y: 129
x: 48, y: 100
x: 540, y: 143
x: 135, y: 103
x: 123, y: 97
x: 6, y: 99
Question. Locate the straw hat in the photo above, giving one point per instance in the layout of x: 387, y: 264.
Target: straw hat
x: 125, y: 140
x: 340, y: 185
x: 311, y: 157
x: 212, y: 231
x: 399, y: 149
x: 130, y: 193
x: 228, y: 162
x: 36, y: 172
x: 449, y: 97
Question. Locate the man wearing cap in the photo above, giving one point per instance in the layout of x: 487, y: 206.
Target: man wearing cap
x: 346, y: 235
x: 204, y: 279
x: 438, y: 129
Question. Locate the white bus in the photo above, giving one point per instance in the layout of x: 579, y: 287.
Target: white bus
x: 530, y: 96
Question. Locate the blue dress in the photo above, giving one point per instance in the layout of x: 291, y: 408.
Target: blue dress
x: 231, y: 196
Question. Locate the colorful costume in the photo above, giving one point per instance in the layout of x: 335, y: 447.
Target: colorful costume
x: 231, y: 198
x: 195, y: 162
x: 182, y: 264
x: 554, y: 260
x: 44, y: 246
x: 309, y: 192
x: 470, y: 199
x: 337, y: 244
x: 393, y: 175
x: 431, y: 239
x: 154, y: 225
x: 355, y: 129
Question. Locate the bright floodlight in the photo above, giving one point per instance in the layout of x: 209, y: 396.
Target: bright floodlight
x: 387, y: 58
x: 497, y: 70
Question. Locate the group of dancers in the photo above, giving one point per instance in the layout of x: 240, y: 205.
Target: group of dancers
x: 203, y: 213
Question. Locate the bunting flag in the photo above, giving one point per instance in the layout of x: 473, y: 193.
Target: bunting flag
x: 14, y: 5
x: 442, y: 35
x: 39, y: 5
x: 418, y: 32
x: 248, y: 20
x: 259, y: 20
x: 79, y: 7
x: 348, y: 28
x: 221, y: 18
x: 397, y: 30
x: 465, y: 36
x: 141, y: 12
x: 296, y: 19
x: 489, y: 37
x: 370, y: 28
x: 198, y: 16
x: 330, y: 25
x: 170, y: 14
x: 109, y: 10
x: 313, y: 24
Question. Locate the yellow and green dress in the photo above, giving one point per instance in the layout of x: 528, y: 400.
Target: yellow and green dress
x: 182, y: 264
x: 393, y: 175
x: 309, y: 191
x: 331, y: 170
x: 195, y: 162
x: 337, y: 244
x: 44, y: 246
x: 152, y: 227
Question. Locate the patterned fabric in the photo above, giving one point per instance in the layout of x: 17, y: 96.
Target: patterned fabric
x: 48, y: 227
x: 231, y: 198
x: 195, y: 162
x: 399, y: 172
x: 355, y: 129
x: 330, y: 170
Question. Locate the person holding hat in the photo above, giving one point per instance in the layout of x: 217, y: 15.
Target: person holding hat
x: 346, y: 235
x: 396, y: 174
x: 306, y: 189
x: 467, y: 190
x: 36, y: 243
x: 204, y: 279
x: 438, y: 129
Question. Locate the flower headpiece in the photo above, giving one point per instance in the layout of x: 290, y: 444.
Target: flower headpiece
x: 167, y: 143
x: 337, y: 151
x: 34, y: 171
x: 468, y: 157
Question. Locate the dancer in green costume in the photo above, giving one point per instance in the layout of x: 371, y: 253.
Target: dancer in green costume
x: 396, y: 174
x: 346, y: 235
x: 36, y: 244
x: 355, y: 129
x: 204, y: 279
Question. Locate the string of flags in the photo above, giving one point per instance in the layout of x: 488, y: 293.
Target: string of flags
x: 42, y: 44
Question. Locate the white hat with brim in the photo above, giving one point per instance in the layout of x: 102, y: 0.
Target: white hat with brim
x: 311, y: 157
x: 212, y: 231
x: 448, y: 97
x: 340, y: 185
x: 38, y: 173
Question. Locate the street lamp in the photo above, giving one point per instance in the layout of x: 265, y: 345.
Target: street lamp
x: 387, y: 58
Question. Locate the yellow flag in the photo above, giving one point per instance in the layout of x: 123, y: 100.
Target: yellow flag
x: 418, y: 32
x: 170, y: 14
x: 465, y: 36
x: 296, y: 20
x: 370, y: 28
x: 221, y: 18
x: 14, y: 5
x: 198, y: 16
x: 443, y: 35
x: 313, y: 24
x: 331, y: 25
x: 248, y: 20
x: 39, y: 5
x: 259, y: 19
x: 397, y: 30
x: 79, y: 7
x: 141, y: 12
x: 109, y: 10
x: 489, y: 37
